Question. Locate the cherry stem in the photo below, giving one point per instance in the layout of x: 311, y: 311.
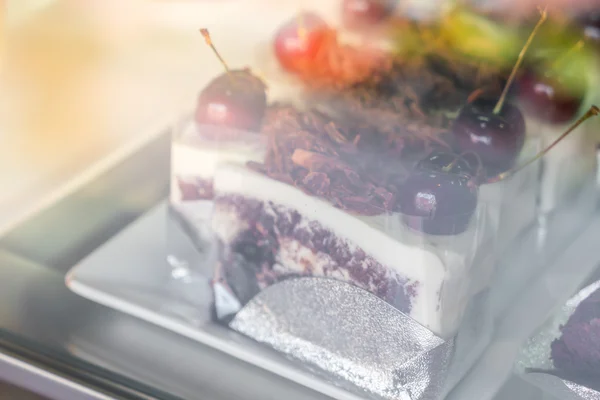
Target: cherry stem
x: 520, y: 59
x: 592, y: 112
x: 576, y: 47
x: 209, y: 42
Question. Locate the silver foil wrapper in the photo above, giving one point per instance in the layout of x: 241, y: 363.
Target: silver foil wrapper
x: 350, y: 337
x: 535, y: 358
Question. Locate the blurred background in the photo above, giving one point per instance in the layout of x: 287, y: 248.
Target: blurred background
x: 81, y: 80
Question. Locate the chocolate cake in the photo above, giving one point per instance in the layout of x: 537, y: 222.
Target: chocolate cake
x: 578, y: 348
x: 326, y: 201
x: 394, y: 179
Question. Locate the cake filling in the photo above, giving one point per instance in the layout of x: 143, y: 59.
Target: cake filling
x: 277, y: 243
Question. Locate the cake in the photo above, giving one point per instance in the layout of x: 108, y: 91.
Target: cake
x: 394, y: 176
x: 577, y: 350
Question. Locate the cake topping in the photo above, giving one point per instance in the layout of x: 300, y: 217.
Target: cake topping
x: 298, y: 42
x: 308, y: 47
x: 355, y: 151
x: 235, y: 99
x: 496, y: 138
x: 412, y: 100
x: 350, y: 167
x: 440, y: 196
x: 496, y: 133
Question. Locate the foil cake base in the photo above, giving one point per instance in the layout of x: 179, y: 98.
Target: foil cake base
x: 348, y: 336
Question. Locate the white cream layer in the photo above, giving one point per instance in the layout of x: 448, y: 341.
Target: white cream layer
x: 441, y: 270
x: 193, y: 156
x: 568, y: 166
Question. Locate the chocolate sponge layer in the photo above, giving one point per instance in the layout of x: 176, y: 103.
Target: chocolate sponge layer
x: 277, y: 243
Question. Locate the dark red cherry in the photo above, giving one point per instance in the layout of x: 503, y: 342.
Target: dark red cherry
x: 496, y: 138
x: 494, y: 129
x: 440, y: 195
x: 298, y: 41
x: 364, y: 13
x: 235, y: 99
x: 548, y: 99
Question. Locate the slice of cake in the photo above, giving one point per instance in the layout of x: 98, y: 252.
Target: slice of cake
x: 397, y: 177
x: 332, y: 201
x: 578, y: 348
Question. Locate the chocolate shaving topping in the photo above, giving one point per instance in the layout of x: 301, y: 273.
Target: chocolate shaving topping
x: 322, y: 157
x: 317, y: 183
x: 408, y: 102
x: 354, y: 148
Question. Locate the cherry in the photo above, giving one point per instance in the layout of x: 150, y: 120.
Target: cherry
x: 298, y: 41
x: 235, y: 99
x: 440, y: 196
x: 496, y: 138
x: 547, y: 98
x: 556, y: 94
x: 364, y: 13
x: 494, y: 130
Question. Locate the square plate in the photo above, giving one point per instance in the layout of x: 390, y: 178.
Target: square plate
x: 130, y: 273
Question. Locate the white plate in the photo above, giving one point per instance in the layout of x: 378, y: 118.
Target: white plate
x: 130, y: 273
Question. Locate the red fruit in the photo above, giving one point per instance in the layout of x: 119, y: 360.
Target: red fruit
x: 235, y: 99
x: 364, y: 13
x: 439, y: 197
x: 548, y: 99
x: 496, y: 138
x: 298, y: 42
x: 310, y: 49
